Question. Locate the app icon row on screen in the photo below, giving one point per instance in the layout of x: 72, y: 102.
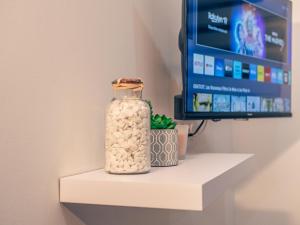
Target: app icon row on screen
x: 211, y: 66
x: 203, y: 102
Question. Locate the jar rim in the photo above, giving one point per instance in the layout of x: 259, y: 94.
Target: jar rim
x: 128, y: 81
x: 135, y: 84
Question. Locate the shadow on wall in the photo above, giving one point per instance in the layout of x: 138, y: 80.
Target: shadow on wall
x: 209, y: 218
x: 108, y: 215
x: 154, y: 48
x: 266, y: 217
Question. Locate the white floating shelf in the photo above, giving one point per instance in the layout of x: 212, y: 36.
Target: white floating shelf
x: 192, y: 185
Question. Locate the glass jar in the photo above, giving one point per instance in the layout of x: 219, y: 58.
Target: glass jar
x: 127, y: 143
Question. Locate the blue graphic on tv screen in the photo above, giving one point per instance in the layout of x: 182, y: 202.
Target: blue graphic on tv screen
x: 278, y: 105
x: 249, y: 32
x: 228, y: 68
x: 274, y: 75
x: 253, y: 72
x: 253, y: 104
x: 221, y: 103
x: 237, y: 70
x: 238, y: 104
x: 220, y: 70
x: 279, y: 76
x: 287, y: 105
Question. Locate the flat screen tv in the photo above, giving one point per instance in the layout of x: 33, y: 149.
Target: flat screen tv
x: 236, y: 59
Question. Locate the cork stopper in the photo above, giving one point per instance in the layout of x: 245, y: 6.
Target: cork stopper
x: 135, y: 84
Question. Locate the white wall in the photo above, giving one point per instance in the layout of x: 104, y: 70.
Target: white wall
x: 57, y: 59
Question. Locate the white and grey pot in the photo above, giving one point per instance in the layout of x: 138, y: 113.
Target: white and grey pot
x: 164, y: 148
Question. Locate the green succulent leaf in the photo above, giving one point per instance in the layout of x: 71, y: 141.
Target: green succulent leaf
x: 160, y: 122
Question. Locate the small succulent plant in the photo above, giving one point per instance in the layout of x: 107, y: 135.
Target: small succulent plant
x: 160, y: 122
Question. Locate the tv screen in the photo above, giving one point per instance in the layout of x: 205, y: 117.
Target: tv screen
x: 236, y: 59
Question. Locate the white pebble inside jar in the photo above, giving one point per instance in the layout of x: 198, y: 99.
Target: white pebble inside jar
x: 128, y: 137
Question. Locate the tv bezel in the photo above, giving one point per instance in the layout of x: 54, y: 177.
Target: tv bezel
x: 185, y: 115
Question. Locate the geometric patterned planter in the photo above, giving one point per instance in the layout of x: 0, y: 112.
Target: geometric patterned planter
x: 164, y: 148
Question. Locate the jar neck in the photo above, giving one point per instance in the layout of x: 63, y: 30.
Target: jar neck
x: 127, y: 94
